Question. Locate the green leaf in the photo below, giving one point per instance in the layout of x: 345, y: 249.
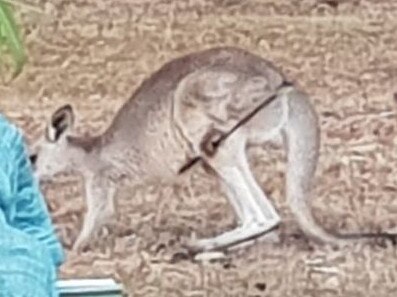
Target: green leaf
x: 9, y: 35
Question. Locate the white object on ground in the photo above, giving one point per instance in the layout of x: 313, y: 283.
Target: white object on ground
x: 88, y: 286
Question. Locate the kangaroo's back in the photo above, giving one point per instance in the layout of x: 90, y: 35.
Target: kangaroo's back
x: 158, y: 90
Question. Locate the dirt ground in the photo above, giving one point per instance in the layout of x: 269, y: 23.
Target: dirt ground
x: 93, y: 54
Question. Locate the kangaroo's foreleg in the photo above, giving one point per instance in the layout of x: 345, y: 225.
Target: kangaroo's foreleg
x: 100, y: 207
x: 256, y: 214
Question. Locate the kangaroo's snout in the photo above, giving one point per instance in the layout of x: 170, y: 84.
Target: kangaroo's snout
x: 33, y: 160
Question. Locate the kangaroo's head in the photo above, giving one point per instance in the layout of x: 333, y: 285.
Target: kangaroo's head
x: 54, y: 152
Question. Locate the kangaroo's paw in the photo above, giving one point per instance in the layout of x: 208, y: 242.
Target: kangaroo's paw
x: 237, y: 236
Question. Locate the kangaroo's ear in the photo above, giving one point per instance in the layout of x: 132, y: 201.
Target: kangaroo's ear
x: 61, y: 122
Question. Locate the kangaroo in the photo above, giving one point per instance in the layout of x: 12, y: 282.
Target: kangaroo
x: 206, y: 107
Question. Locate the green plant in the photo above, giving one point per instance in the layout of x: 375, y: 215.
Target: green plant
x: 10, y: 39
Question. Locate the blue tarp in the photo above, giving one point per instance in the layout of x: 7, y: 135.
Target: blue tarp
x: 30, y: 251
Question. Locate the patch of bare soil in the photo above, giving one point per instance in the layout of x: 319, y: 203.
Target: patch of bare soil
x: 93, y: 54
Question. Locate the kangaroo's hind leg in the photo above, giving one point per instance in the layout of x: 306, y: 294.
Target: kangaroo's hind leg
x: 256, y: 214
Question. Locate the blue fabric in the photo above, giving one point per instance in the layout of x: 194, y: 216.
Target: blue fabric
x: 30, y: 251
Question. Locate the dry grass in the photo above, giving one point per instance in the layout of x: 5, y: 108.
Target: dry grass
x: 95, y: 53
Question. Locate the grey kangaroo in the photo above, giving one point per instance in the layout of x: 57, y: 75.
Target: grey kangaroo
x: 205, y: 107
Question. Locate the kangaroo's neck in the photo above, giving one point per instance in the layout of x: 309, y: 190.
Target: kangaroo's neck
x: 88, y: 144
x: 85, y: 154
x: 112, y: 155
